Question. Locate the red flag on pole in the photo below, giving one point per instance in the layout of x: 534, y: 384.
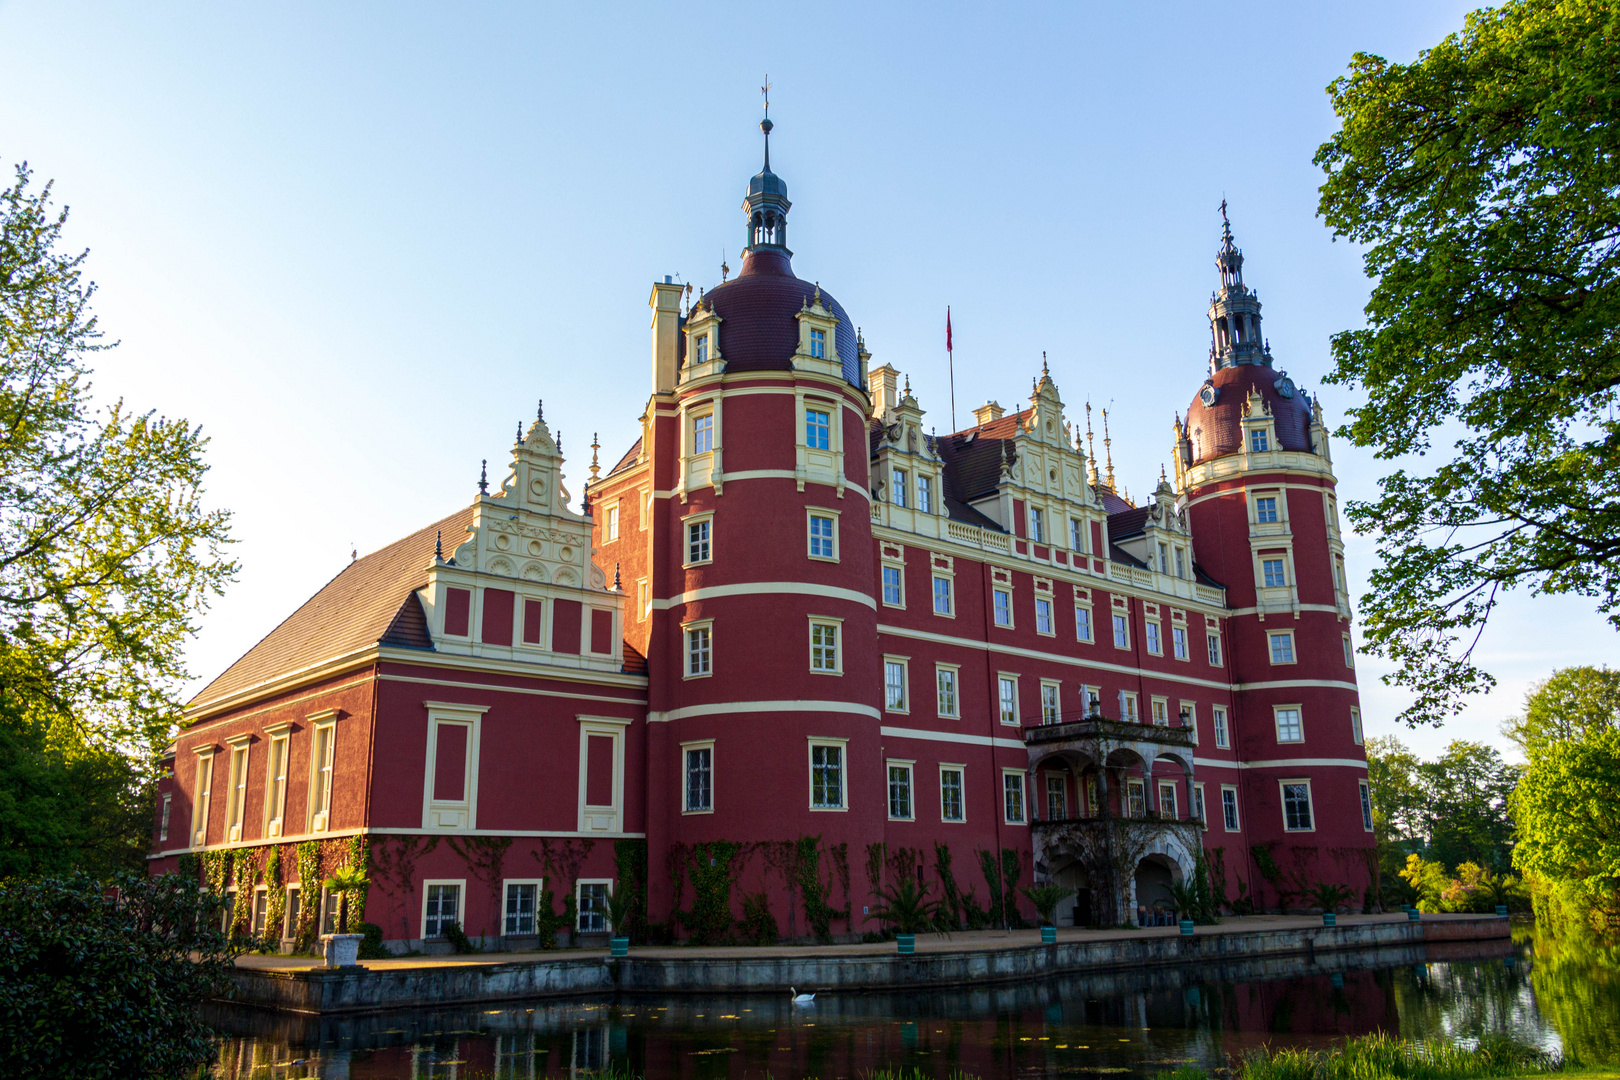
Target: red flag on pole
x: 947, y: 328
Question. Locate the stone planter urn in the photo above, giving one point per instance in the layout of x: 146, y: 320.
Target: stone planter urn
x: 341, y: 950
x: 1048, y: 935
x: 1329, y: 919
x: 907, y: 943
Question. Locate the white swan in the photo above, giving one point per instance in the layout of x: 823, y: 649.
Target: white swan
x: 801, y: 999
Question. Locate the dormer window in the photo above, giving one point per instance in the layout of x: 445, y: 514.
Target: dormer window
x: 703, y: 348
x: 818, y: 344
x: 1037, y: 525
x: 1258, y: 441
x: 925, y: 495
x: 817, y: 429
x: 897, y: 490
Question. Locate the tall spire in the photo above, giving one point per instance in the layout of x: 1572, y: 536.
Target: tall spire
x: 766, y: 202
x: 1234, y: 310
x: 1091, y: 448
x: 1108, y: 451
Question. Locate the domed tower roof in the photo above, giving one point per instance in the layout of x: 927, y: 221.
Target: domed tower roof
x: 1240, y: 362
x: 758, y: 309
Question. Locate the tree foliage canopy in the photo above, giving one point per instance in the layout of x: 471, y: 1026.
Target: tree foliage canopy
x: 107, y: 553
x: 1454, y: 808
x: 1571, y: 704
x: 1567, y: 808
x: 1483, y: 180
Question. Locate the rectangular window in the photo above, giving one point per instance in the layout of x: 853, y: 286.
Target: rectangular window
x: 703, y: 434
x: 1037, y: 525
x: 593, y: 907
x: 1003, y: 603
x: 202, y: 794
x: 520, y: 901
x: 894, y: 685
x: 1082, y: 624
x: 1198, y: 805
x: 1007, y: 692
x: 1154, y: 645
x: 699, y: 779
x: 1366, y: 805
x: 1178, y: 641
x: 1265, y: 509
x: 1355, y: 726
x: 1223, y: 738
x: 1272, y: 569
x: 1258, y: 441
x: 261, y: 909
x: 826, y: 777
x: 900, y: 792
x: 1122, y: 632
x: 1135, y: 799
x: 1127, y: 706
x: 1189, y: 719
x: 443, y: 906
x: 1229, y: 809
x: 1167, y: 801
x: 1296, y: 798
x: 275, y: 795
x: 643, y: 599
x: 1181, y: 563
x: 1091, y: 697
x: 1093, y: 796
x: 1057, y: 797
x: 897, y: 487
x: 703, y: 348
x: 1164, y: 559
x: 1043, y: 615
x: 817, y: 429
x: 818, y: 344
x: 1214, y: 643
x: 236, y: 800
x: 1282, y: 647
x: 824, y: 648
x: 821, y: 537
x: 612, y: 525
x: 534, y: 612
x: 697, y: 541
x: 1051, y: 712
x: 1012, y: 797
x: 925, y: 495
x: 699, y: 651
x: 1349, y: 652
x: 1160, y: 711
x: 950, y: 794
x: 942, y: 596
x: 320, y: 796
x: 1077, y: 532
x: 893, y: 587
x: 945, y: 687
x: 1289, y: 726
x: 289, y: 924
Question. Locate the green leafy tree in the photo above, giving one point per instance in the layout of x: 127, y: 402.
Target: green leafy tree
x: 107, y: 553
x: 1483, y: 182
x: 1467, y: 790
x: 1566, y: 808
x: 1572, y: 703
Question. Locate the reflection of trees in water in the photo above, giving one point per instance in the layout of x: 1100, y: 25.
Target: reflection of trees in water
x: 1467, y: 1000
x: 1577, y: 982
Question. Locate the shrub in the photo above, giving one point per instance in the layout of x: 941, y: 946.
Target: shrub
x: 372, y: 947
x: 458, y: 939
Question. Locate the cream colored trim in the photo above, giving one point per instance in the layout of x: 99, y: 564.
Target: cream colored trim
x: 732, y: 707
x: 788, y: 474
x: 532, y: 691
x: 766, y: 588
x: 925, y: 735
x: 595, y: 819
x: 1250, y: 485
x: 1290, y: 684
x: 337, y: 833
x: 1281, y: 763
x: 1329, y: 608
x: 1073, y: 661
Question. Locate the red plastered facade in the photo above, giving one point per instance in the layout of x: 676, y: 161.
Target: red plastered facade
x: 793, y: 628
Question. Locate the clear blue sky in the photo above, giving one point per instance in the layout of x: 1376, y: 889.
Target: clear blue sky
x: 355, y: 242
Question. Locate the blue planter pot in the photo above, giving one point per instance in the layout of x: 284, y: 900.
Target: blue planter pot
x: 1329, y: 919
x: 1501, y: 910
x: 620, y: 946
x: 1413, y: 914
x: 1048, y: 935
x: 907, y: 943
x: 1186, y: 927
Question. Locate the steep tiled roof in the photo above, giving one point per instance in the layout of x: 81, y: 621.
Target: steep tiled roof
x: 1127, y: 522
x: 629, y: 458
x: 371, y: 600
x: 758, y: 309
x: 973, y: 456
x: 1218, y: 429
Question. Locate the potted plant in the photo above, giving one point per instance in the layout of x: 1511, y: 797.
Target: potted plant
x: 343, y: 949
x: 619, y: 902
x: 906, y: 906
x: 1046, y: 898
x: 1328, y: 897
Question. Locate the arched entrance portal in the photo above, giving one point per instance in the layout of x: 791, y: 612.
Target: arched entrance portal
x: 1075, y: 910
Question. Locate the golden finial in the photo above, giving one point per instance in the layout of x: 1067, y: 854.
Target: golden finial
x: 1108, y: 451
x: 596, y: 444
x: 1091, y: 449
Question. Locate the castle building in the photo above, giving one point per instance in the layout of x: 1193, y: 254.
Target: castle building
x: 797, y: 648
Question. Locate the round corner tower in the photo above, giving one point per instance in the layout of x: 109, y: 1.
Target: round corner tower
x: 1254, y: 473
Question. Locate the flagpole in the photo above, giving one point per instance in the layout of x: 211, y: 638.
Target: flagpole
x: 950, y: 361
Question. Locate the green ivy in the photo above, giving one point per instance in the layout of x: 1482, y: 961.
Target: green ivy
x: 758, y: 924
x: 309, y: 895
x: 712, y: 873
x: 630, y: 866
x: 360, y: 859
x: 215, y: 864
x: 276, y: 910
x: 243, y: 876
x: 189, y: 866
x: 950, y: 912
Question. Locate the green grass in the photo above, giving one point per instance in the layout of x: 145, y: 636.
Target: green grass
x: 1380, y: 1057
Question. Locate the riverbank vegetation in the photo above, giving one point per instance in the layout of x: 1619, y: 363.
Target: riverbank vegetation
x: 1382, y: 1057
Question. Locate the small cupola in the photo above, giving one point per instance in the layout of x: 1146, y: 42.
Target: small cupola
x: 1234, y: 310
x: 767, y: 202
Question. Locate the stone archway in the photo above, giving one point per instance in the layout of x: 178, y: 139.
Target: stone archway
x: 1165, y: 860
x: 1076, y: 910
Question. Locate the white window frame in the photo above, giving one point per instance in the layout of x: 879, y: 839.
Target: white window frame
x: 506, y: 911
x: 427, y: 884
x: 925, y: 493
x: 1129, y: 707
x: 824, y: 622
x: 452, y: 815
x: 1282, y: 803
x: 689, y: 631
x: 1364, y: 794
x: 996, y: 610
x: 1234, y: 823
x: 1349, y: 652
x: 961, y: 791
x: 319, y: 789
x: 1136, y: 797
x: 1091, y: 624
x: 1153, y: 637
x: 1061, y: 790
x: 579, y: 907
x: 595, y: 818
x: 697, y: 418
x: 1357, y: 736
x: 842, y: 745
x: 1199, y: 809
x: 1299, y: 719
x: 1272, y: 637
x: 818, y: 343
x: 908, y: 765
x: 1163, y: 788
x: 899, y: 488
x: 883, y: 587
x: 1159, y: 711
x: 955, y: 672
x: 1016, y: 775
x: 163, y: 817
x: 812, y: 514
x: 1266, y: 563
x: 610, y: 521
x: 1051, y: 701
x: 277, y: 777
x: 904, y: 664
x: 241, y: 750
x: 687, y: 524
x: 1077, y: 535
x: 1043, y: 617
x: 950, y: 595
x: 1276, y: 508
x: 1120, y: 624
x: 1037, y: 525
x: 1212, y: 643
x: 1091, y: 700
x: 1004, y: 678
x: 1223, y: 730
x: 1178, y: 643
x: 696, y: 745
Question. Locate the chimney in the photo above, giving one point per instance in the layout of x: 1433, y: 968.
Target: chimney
x: 666, y: 324
x: 987, y: 412
x: 884, y: 383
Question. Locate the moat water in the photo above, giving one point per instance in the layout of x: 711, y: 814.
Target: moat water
x: 1563, y: 996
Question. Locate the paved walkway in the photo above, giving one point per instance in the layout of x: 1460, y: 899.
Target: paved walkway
x: 961, y: 941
